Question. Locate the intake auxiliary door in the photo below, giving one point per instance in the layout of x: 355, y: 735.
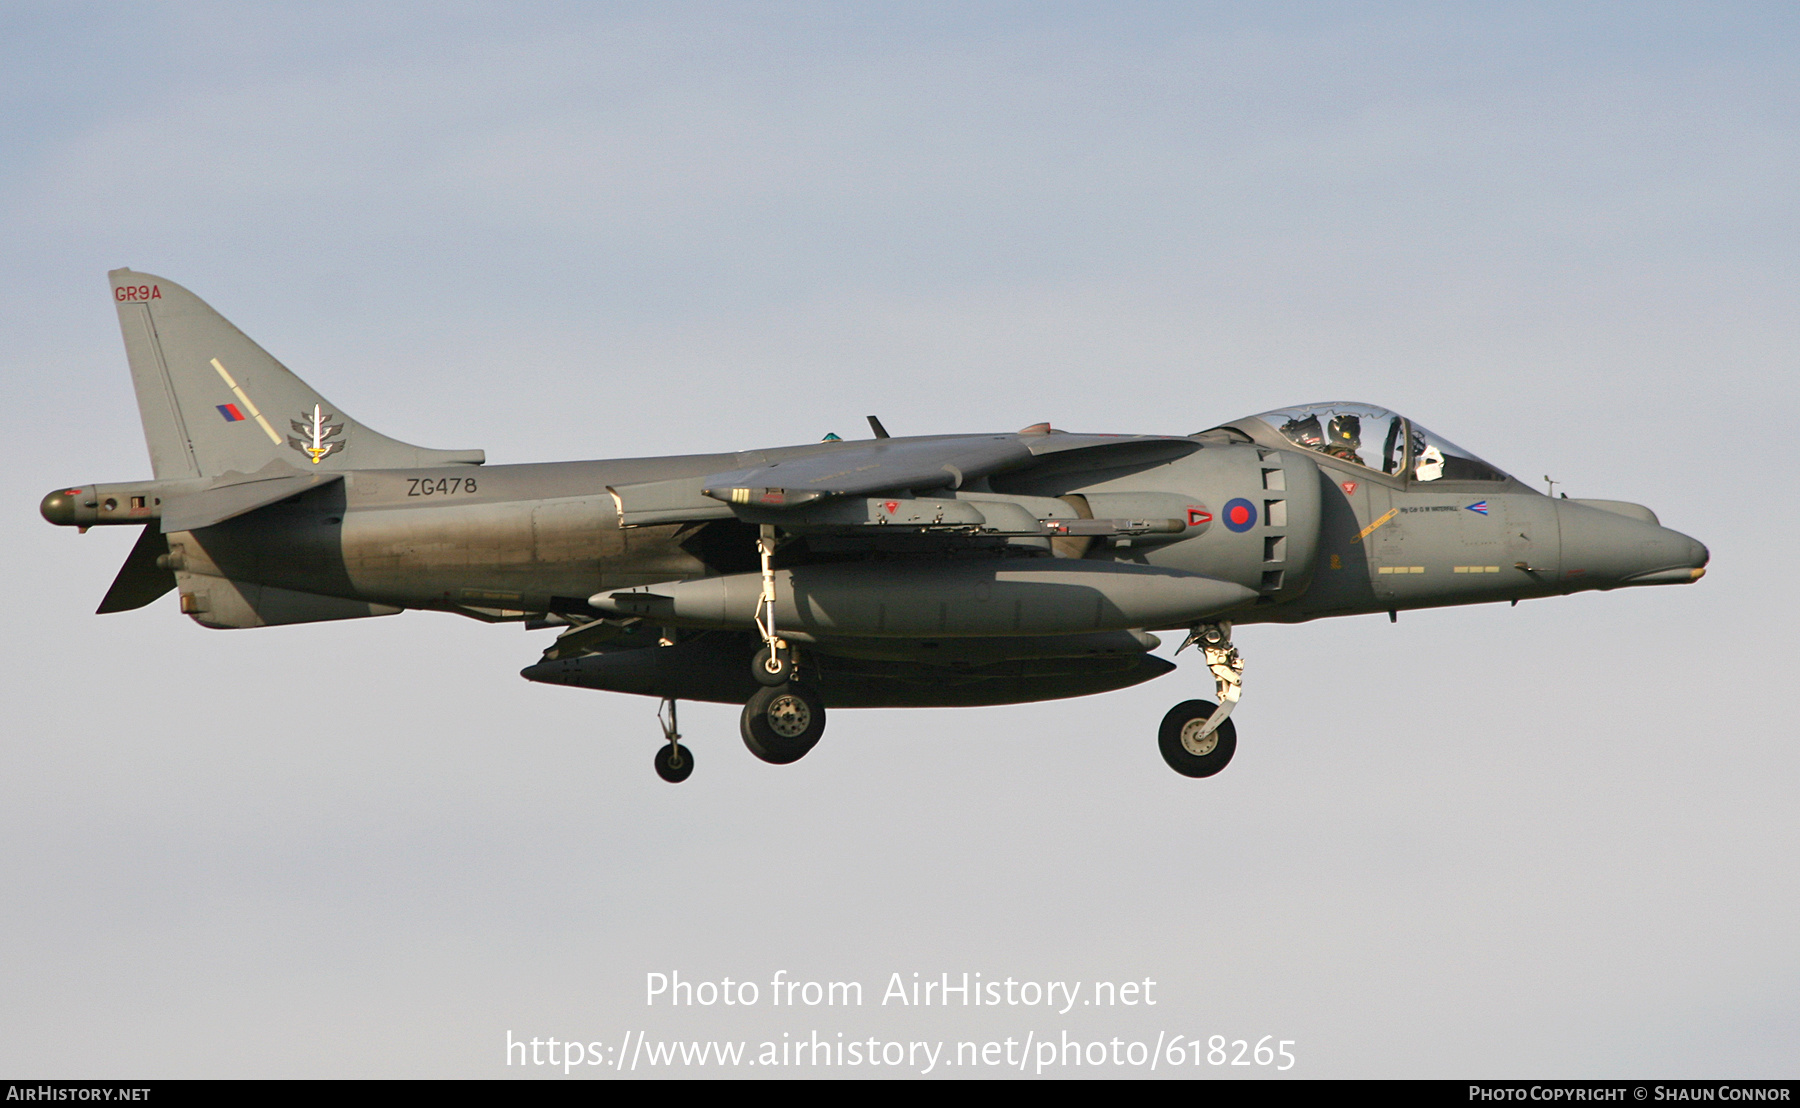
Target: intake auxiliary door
x: 1253, y: 518
x: 1289, y: 499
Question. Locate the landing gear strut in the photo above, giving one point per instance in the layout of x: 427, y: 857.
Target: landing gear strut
x: 773, y: 665
x: 784, y: 718
x: 674, y: 762
x: 1197, y: 737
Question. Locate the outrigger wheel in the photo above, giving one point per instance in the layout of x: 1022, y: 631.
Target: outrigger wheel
x: 781, y: 724
x: 1188, y: 750
x: 674, y: 762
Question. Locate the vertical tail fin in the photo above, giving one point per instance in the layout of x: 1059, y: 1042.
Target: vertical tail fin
x: 213, y: 401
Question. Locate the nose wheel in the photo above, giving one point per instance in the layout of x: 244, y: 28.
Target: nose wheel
x: 1190, y: 746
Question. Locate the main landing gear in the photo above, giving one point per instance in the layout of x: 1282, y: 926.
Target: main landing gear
x: 1197, y: 737
x: 781, y: 724
x: 784, y: 718
x: 773, y: 665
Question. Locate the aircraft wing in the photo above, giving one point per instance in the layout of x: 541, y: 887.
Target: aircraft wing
x: 894, y: 465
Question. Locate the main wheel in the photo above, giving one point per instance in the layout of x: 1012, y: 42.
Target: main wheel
x: 772, y: 669
x: 781, y: 724
x: 674, y: 763
x: 1187, y: 753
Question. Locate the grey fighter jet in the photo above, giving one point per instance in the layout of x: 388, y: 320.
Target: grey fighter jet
x: 887, y: 572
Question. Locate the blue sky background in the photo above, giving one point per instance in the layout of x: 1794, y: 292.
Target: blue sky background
x: 1557, y: 839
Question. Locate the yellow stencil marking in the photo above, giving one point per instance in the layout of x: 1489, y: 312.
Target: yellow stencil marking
x: 1363, y: 534
x: 239, y: 393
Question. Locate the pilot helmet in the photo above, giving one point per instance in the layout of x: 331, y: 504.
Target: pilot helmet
x: 1305, y: 432
x: 1346, y: 430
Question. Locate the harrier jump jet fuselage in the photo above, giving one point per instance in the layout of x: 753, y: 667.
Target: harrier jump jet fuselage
x: 887, y: 572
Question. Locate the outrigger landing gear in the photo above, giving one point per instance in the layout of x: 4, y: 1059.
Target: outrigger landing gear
x: 1197, y: 737
x: 674, y: 762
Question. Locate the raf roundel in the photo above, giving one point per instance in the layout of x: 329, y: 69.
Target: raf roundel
x: 1240, y: 515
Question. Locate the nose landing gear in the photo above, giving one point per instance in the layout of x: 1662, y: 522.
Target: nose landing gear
x: 1197, y: 737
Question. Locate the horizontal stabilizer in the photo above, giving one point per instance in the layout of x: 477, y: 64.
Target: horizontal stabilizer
x: 237, y: 493
x: 140, y: 579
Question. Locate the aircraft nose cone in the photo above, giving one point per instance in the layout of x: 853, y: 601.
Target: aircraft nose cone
x: 1685, y: 560
x: 1618, y: 544
x: 1697, y: 557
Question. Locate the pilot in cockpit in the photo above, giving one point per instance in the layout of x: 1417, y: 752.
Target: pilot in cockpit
x: 1306, y: 432
x: 1408, y: 451
x: 1345, y: 438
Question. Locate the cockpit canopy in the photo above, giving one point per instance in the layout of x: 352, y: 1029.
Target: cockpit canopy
x: 1379, y: 440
